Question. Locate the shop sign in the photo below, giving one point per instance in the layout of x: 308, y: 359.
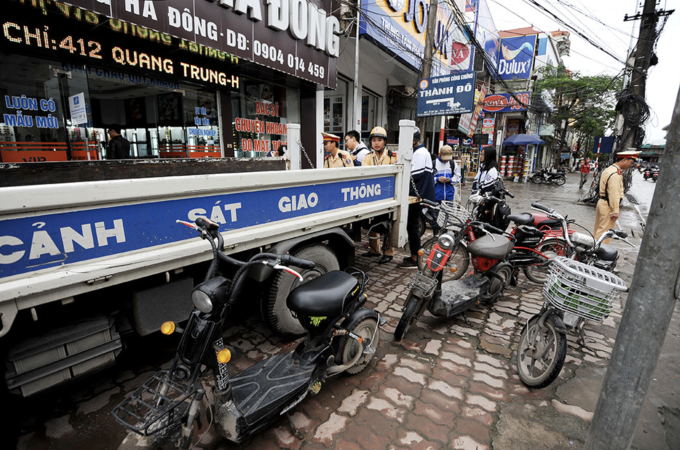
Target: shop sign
x: 76, y: 104
x: 503, y: 103
x: 468, y: 122
x: 257, y: 126
x: 513, y: 127
x: 467, y: 142
x: 486, y: 32
x: 24, y: 112
x: 399, y: 27
x: 451, y: 140
x: 446, y: 95
x: 49, y: 240
x: 487, y: 128
x: 298, y: 37
x: 92, y: 39
x: 516, y: 57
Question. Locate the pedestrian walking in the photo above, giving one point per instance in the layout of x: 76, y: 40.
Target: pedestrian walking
x: 335, y: 157
x: 446, y: 175
x: 119, y: 147
x: 379, y: 157
x: 422, y: 186
x: 488, y: 171
x: 611, y: 193
x: 585, y: 170
x: 357, y: 149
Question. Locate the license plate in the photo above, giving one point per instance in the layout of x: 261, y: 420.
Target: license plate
x: 570, y: 319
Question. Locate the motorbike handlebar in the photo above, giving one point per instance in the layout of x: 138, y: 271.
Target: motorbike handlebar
x: 621, y: 234
x: 488, y: 227
x: 542, y: 208
x: 288, y: 260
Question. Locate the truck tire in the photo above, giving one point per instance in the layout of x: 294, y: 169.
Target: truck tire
x: 275, y: 313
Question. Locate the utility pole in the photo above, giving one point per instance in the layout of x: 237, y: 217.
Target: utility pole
x: 429, y: 52
x: 356, y: 113
x: 653, y: 293
x: 643, y: 54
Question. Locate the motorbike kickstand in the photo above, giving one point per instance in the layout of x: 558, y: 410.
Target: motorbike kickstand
x: 582, y: 338
x: 297, y: 433
x: 465, y: 319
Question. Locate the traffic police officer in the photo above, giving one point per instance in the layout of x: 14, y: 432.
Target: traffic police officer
x: 611, y: 193
x: 335, y: 157
x: 379, y: 157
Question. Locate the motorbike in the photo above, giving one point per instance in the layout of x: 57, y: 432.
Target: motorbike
x: 655, y: 175
x: 547, y: 177
x: 647, y: 174
x: 491, y: 275
x: 574, y: 293
x: 341, y: 337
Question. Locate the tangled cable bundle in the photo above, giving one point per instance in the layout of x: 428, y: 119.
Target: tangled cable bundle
x: 635, y: 112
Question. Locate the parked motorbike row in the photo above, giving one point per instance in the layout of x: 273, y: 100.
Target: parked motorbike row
x: 650, y: 173
x: 342, y: 336
x: 543, y: 246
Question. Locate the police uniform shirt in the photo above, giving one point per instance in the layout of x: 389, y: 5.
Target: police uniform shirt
x: 612, y: 188
x: 372, y: 159
x: 341, y: 159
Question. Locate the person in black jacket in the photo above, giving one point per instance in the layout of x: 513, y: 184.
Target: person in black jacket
x: 119, y: 147
x: 422, y: 186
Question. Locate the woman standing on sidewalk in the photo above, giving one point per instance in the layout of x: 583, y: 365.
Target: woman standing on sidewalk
x: 488, y: 171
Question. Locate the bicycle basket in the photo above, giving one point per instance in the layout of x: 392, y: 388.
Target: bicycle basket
x: 581, y: 289
x: 156, y: 405
x: 424, y: 284
x: 452, y: 214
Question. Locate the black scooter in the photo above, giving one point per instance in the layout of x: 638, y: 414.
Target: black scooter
x: 341, y: 337
x: 648, y: 174
x: 544, y: 176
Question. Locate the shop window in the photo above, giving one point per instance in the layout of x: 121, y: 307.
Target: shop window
x: 44, y: 113
x: 261, y: 113
x: 369, y: 113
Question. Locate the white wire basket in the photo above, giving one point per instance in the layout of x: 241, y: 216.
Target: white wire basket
x: 581, y: 289
x: 449, y: 212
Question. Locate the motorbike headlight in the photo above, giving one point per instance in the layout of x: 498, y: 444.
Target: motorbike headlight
x: 201, y: 301
x: 445, y: 241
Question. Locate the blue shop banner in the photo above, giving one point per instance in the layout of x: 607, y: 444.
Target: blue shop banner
x: 516, y: 57
x: 446, y: 95
x: 51, y: 240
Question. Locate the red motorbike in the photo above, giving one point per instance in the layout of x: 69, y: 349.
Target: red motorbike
x: 491, y: 275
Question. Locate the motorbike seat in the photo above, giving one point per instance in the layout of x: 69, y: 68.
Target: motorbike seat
x: 607, y: 253
x: 322, y: 296
x: 522, y: 218
x: 496, y: 247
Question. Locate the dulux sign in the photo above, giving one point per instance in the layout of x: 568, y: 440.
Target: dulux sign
x: 516, y: 57
x: 447, y: 95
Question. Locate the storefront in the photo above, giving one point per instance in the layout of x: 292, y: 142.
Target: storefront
x: 69, y: 73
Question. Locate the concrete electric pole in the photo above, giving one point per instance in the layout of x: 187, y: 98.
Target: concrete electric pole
x: 653, y: 293
x: 643, y: 54
x: 428, y: 55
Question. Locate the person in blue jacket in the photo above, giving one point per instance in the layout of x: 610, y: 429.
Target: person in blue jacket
x: 446, y: 175
x: 421, y: 186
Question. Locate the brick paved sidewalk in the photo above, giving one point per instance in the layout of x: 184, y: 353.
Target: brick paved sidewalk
x: 447, y: 385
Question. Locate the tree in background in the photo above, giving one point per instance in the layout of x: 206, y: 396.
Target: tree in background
x: 584, y: 104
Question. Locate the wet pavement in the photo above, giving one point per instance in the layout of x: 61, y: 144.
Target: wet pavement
x: 448, y: 384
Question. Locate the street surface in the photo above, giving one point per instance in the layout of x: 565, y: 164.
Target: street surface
x: 447, y: 385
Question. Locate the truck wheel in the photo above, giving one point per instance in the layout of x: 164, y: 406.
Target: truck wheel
x: 275, y: 313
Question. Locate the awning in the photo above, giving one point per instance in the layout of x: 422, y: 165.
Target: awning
x: 523, y: 139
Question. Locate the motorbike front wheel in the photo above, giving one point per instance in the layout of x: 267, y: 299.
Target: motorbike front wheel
x: 538, y: 179
x: 541, y: 353
x: 560, y: 180
x: 550, y: 248
x: 412, y: 306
